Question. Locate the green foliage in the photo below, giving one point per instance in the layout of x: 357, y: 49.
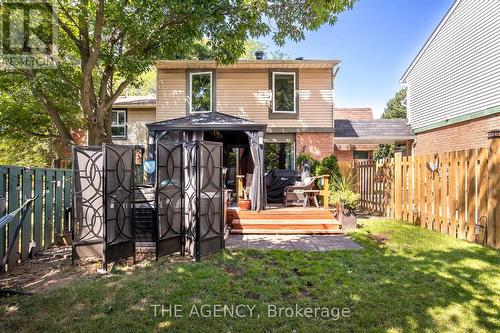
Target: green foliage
x: 342, y: 192
x: 307, y: 158
x: 394, y: 109
x: 328, y: 166
x: 27, y: 134
x: 383, y: 151
x: 26, y: 151
x: 144, y: 85
x: 252, y: 45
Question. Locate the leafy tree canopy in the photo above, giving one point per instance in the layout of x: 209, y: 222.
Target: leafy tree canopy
x: 396, y: 108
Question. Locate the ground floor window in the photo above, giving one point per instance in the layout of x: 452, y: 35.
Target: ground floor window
x: 119, y: 124
x: 279, y: 155
x: 360, y: 155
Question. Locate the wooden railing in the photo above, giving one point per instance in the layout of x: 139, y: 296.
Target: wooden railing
x: 455, y: 193
x: 325, y: 191
x: 45, y: 222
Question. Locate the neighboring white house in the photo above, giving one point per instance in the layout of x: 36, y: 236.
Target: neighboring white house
x: 454, y: 82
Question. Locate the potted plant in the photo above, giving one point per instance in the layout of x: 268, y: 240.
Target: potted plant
x: 245, y: 203
x: 345, y: 199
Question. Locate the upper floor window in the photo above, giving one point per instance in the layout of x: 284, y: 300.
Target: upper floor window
x: 119, y: 124
x: 201, y: 92
x: 284, y: 87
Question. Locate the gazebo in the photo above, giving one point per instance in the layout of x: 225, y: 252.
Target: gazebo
x: 219, y: 127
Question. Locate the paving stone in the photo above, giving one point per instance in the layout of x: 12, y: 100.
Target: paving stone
x: 292, y: 242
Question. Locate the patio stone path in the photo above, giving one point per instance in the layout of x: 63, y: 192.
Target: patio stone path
x: 292, y: 242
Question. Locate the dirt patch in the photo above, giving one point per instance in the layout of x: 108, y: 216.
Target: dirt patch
x: 380, y: 238
x: 47, y: 270
x: 233, y: 270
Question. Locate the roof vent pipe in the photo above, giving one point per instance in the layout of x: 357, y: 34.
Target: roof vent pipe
x: 259, y: 55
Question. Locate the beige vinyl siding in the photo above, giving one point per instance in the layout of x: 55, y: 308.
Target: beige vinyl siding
x: 246, y: 94
x: 171, y: 94
x: 459, y: 72
x: 137, y: 132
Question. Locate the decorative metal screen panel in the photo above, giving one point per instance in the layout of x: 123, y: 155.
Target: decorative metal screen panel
x: 210, y: 228
x: 87, y: 212
x: 119, y: 166
x: 169, y: 197
x: 204, y: 198
x: 189, y: 198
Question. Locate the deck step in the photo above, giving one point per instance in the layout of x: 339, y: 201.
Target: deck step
x: 286, y: 222
x: 285, y: 232
x: 295, y: 226
x: 301, y: 215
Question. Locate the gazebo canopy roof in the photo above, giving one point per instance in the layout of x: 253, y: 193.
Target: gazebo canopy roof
x: 207, y: 121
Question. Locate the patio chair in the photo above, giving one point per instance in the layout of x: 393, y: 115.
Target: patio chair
x: 297, y: 194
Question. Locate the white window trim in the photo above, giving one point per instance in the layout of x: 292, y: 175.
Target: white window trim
x: 294, y: 93
x: 124, y: 136
x: 191, y: 91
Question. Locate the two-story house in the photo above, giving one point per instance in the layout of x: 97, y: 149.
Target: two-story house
x: 293, y: 99
x: 453, y: 84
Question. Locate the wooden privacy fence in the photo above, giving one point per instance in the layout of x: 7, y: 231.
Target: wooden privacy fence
x: 45, y: 221
x: 454, y: 193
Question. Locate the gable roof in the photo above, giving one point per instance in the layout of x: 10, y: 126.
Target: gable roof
x: 246, y: 64
x: 207, y: 121
x: 430, y: 40
x: 353, y: 113
x: 372, y: 131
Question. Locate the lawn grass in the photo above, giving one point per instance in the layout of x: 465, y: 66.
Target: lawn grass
x: 415, y: 281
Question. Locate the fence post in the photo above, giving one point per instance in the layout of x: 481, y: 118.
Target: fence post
x: 398, y: 156
x: 493, y: 189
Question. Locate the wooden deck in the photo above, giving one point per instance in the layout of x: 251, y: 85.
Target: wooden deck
x: 281, y: 220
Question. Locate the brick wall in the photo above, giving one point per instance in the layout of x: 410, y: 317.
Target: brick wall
x: 319, y: 145
x: 464, y: 135
x: 343, y: 155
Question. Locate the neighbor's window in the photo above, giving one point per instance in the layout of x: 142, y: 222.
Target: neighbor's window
x: 360, y: 155
x: 119, y: 124
x: 284, y: 92
x: 201, y: 92
x: 279, y: 155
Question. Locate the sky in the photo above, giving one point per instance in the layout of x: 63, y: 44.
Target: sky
x: 376, y: 41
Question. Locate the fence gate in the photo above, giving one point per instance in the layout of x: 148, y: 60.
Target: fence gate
x: 169, y: 194
x: 190, y: 198
x: 103, y: 204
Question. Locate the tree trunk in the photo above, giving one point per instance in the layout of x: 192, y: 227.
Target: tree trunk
x: 99, y: 128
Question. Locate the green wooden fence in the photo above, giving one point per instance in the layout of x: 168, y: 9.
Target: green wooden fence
x: 45, y: 221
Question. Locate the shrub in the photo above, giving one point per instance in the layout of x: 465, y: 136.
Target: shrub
x: 328, y: 166
x: 342, y: 192
x: 307, y: 158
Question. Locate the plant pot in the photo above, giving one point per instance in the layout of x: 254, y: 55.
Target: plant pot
x: 245, y: 204
x: 347, y: 220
